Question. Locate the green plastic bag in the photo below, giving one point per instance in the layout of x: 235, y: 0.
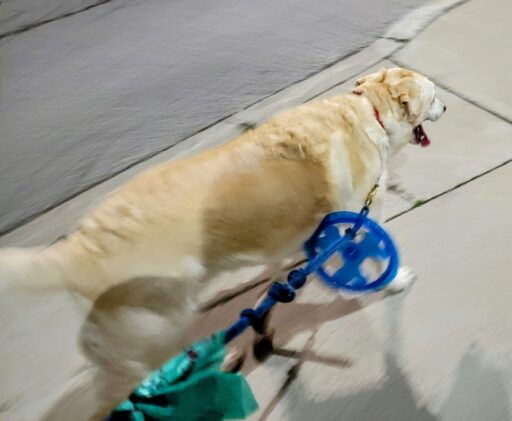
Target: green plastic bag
x: 190, y: 387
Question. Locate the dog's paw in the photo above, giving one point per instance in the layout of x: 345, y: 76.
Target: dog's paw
x: 403, y: 280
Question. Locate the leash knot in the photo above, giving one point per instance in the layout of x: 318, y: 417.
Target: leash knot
x: 297, y: 278
x: 254, y: 319
x: 282, y: 293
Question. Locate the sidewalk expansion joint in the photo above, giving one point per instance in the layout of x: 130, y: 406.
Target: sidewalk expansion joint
x: 438, y: 15
x: 420, y: 203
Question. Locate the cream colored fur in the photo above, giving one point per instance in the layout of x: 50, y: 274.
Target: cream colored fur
x: 250, y: 202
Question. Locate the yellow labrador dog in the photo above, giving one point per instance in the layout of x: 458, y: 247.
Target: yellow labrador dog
x: 253, y: 201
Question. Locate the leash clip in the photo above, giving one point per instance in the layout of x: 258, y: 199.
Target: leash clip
x: 371, y: 195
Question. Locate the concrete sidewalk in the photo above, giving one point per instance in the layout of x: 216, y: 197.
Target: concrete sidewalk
x: 443, y: 350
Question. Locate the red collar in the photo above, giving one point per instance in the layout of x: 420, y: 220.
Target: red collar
x: 375, y: 112
x: 377, y: 116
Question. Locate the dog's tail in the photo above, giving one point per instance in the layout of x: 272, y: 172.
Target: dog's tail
x: 35, y: 268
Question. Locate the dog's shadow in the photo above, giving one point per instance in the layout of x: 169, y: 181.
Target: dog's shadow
x: 288, y: 321
x: 479, y: 392
x: 393, y: 399
x: 479, y: 389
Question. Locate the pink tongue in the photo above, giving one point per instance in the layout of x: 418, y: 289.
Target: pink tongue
x: 424, y: 140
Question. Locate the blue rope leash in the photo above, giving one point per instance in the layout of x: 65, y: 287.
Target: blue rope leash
x: 285, y: 292
x: 278, y: 293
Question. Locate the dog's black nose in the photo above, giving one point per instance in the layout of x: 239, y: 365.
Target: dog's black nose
x: 444, y: 109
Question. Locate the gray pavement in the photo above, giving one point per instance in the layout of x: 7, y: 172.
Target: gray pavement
x: 440, y: 352
x: 88, y: 95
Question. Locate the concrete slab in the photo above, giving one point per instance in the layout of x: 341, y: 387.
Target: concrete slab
x: 467, y: 50
x: 267, y: 380
x: 459, y: 308
x: 441, y: 351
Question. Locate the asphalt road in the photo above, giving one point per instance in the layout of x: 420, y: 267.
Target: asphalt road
x: 89, y: 94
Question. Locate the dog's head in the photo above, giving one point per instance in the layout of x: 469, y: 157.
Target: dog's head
x: 406, y: 99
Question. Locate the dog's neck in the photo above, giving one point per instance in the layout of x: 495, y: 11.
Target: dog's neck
x: 376, y: 112
x: 390, y: 116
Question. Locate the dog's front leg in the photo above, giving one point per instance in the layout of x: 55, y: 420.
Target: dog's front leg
x: 403, y: 279
x: 405, y: 276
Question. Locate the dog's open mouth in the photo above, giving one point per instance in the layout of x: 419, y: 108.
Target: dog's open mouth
x: 421, y: 137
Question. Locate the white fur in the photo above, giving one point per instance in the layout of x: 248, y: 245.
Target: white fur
x: 436, y: 110
x: 403, y: 280
x: 340, y: 170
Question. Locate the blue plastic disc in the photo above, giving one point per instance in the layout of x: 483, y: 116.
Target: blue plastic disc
x: 370, y: 241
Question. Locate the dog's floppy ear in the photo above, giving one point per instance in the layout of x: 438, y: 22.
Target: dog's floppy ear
x: 378, y: 77
x: 360, y: 81
x: 407, y: 93
x: 359, y: 90
x: 382, y: 74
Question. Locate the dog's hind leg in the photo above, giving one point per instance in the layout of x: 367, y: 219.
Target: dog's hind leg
x: 112, y: 387
x: 132, y: 330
